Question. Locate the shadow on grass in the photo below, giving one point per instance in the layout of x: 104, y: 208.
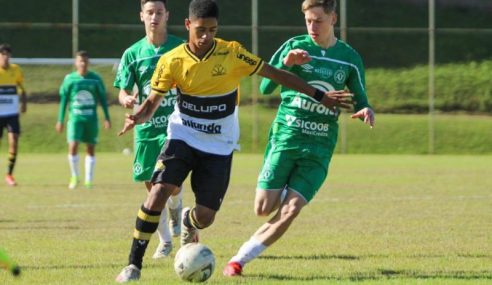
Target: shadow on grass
x: 382, y: 274
x: 359, y: 257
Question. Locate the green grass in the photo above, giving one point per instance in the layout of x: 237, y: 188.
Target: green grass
x: 392, y: 219
x: 393, y: 134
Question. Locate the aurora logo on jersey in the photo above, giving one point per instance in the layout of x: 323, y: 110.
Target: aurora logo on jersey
x: 218, y: 70
x: 205, y: 128
x: 308, y: 105
x: 308, y: 127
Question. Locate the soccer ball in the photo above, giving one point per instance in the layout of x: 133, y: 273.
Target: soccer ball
x: 194, y: 262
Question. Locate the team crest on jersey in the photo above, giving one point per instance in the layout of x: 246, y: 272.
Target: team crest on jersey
x: 218, y: 70
x: 340, y: 76
x: 137, y: 168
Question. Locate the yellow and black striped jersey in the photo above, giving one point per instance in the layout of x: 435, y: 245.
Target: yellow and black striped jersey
x: 205, y: 115
x: 11, y: 86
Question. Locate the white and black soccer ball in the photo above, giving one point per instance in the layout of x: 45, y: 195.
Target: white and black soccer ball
x: 194, y: 262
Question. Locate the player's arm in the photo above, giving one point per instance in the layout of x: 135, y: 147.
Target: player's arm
x: 104, y: 104
x: 62, y: 108
x: 127, y: 99
x: 144, y: 112
x: 329, y: 99
x: 356, y: 83
x: 22, y: 93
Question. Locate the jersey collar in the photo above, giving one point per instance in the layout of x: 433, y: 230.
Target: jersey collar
x: 207, y: 55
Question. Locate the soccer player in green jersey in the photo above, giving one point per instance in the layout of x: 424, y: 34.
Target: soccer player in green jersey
x: 136, y: 68
x: 81, y: 90
x: 304, y: 133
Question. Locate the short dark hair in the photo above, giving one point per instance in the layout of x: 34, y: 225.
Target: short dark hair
x: 143, y: 2
x: 5, y: 48
x: 82, y: 53
x: 327, y: 5
x: 204, y: 9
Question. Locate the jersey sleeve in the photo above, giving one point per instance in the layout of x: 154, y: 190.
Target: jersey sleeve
x: 357, y: 84
x: 163, y: 79
x: 125, y: 77
x: 246, y: 63
x: 103, y: 99
x: 267, y: 86
x: 63, y: 100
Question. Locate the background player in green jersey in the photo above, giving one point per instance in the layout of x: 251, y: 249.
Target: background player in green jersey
x: 304, y: 133
x: 81, y: 90
x: 136, y: 68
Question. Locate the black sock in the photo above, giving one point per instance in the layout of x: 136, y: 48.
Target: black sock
x: 11, y: 162
x: 146, y: 224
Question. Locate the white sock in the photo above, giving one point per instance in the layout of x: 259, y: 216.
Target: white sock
x: 73, y: 161
x: 248, y: 251
x: 90, y: 161
x: 163, y: 229
x: 175, y: 201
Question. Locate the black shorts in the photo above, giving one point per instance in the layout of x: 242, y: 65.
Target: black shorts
x: 11, y: 123
x: 210, y: 173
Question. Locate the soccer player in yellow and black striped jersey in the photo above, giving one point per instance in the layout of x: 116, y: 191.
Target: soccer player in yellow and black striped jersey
x: 11, y: 94
x: 203, y: 129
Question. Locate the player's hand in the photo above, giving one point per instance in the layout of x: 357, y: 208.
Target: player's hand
x: 338, y: 98
x: 59, y: 127
x: 296, y: 57
x: 23, y: 108
x: 107, y: 124
x: 130, y: 122
x: 367, y: 114
x: 129, y: 101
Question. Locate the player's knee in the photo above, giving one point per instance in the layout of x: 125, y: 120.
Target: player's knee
x: 262, y: 209
x: 291, y: 211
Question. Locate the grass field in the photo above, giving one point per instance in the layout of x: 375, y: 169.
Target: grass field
x: 391, y: 219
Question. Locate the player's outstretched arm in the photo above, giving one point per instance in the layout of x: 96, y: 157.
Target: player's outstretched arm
x: 143, y: 114
x: 330, y: 99
x: 367, y: 114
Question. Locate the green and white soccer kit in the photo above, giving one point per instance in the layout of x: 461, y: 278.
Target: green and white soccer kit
x: 82, y: 93
x: 136, y: 68
x: 304, y: 133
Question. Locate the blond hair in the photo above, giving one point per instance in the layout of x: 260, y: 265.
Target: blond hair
x: 327, y: 5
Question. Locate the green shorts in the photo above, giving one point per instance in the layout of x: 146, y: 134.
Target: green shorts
x: 146, y: 153
x: 301, y: 169
x: 83, y: 131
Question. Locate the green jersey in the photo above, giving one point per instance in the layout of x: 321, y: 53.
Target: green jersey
x: 301, y: 119
x: 136, y: 68
x: 82, y: 94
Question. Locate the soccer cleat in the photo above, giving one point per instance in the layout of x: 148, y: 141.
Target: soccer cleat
x: 188, y: 235
x: 175, y: 220
x: 9, y: 179
x: 129, y: 273
x: 233, y: 269
x: 88, y: 185
x: 163, y: 250
x: 74, y: 181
